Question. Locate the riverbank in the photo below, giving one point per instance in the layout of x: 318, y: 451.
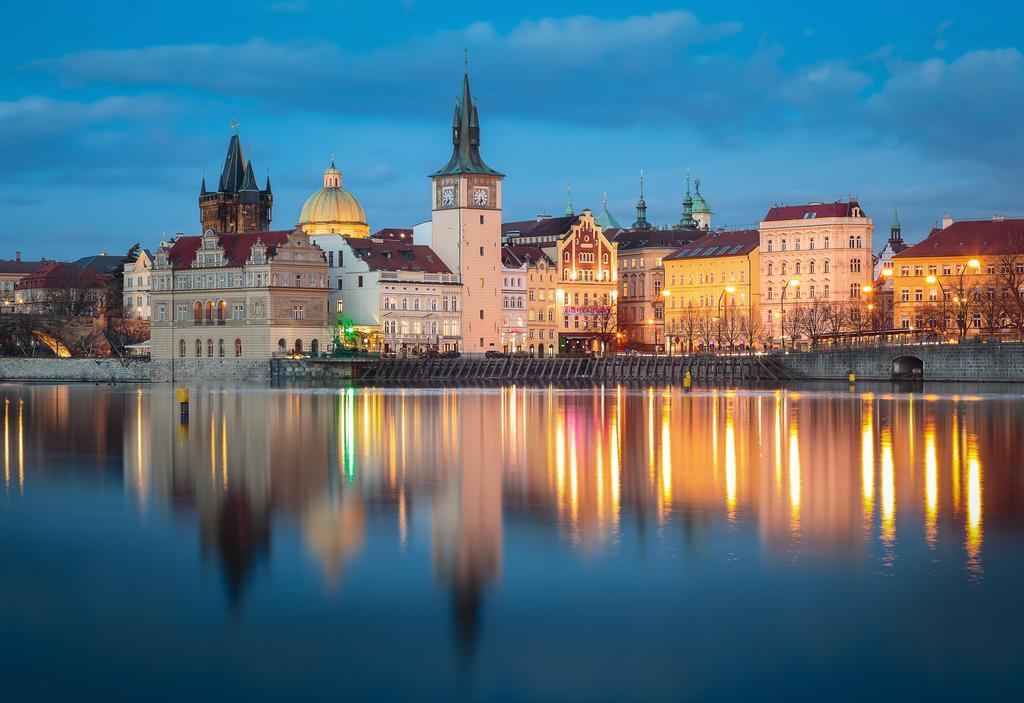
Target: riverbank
x: 997, y: 363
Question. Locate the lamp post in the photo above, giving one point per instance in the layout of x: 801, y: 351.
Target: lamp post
x: 934, y: 280
x: 867, y: 289
x: 962, y: 299
x: 666, y: 294
x: 796, y: 284
x: 730, y: 290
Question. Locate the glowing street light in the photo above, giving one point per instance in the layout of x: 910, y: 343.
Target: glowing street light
x: 796, y: 284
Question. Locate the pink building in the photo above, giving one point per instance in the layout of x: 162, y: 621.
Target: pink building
x: 820, y: 253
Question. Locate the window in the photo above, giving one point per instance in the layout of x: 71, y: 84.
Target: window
x: 769, y: 245
x: 770, y: 268
x: 854, y: 291
x: 904, y: 295
x: 826, y: 243
x: 918, y: 271
x: 810, y: 244
x: 826, y: 293
x: 198, y: 307
x: 162, y: 313
x: 199, y: 348
x: 826, y: 267
x: 209, y: 348
x: 238, y: 347
x: 359, y: 284
x: 770, y: 293
x: 918, y: 295
x: 810, y: 267
x: 220, y: 348
x: 298, y: 312
x: 181, y: 348
x: 855, y: 265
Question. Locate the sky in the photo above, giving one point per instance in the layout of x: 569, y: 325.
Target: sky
x: 111, y: 112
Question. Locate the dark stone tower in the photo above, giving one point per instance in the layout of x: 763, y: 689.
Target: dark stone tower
x: 238, y: 205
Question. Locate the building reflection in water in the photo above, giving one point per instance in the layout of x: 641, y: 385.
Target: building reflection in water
x: 596, y: 466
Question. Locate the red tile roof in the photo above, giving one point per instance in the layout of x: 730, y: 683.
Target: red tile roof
x: 237, y: 247
x: 61, y: 275
x: 978, y: 238
x: 812, y: 210
x: 733, y: 243
x: 19, y: 266
x: 514, y: 255
x: 389, y: 255
x: 552, y: 227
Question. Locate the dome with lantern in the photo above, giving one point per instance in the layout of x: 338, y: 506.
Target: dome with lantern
x: 333, y: 210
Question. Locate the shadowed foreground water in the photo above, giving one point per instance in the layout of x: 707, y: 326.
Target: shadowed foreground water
x: 510, y: 544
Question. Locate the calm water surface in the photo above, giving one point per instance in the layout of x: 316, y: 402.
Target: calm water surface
x: 511, y: 544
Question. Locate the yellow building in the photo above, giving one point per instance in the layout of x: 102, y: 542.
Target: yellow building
x: 952, y: 283
x: 541, y: 285
x: 712, y: 293
x: 333, y: 210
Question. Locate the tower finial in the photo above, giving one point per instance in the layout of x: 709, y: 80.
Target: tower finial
x: 604, y: 200
x: 568, y: 208
x: 465, y: 60
x: 234, y: 127
x: 641, y: 184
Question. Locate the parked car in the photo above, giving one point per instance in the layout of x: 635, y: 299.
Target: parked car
x: 495, y: 354
x: 451, y: 354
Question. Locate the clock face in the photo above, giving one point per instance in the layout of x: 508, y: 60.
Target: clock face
x: 480, y: 196
x: 448, y: 196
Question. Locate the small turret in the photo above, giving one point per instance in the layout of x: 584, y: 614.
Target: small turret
x: 568, y: 207
x: 641, y: 208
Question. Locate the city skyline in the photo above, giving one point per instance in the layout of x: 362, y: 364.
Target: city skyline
x: 127, y: 119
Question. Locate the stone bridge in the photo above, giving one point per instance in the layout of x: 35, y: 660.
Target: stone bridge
x: 930, y: 362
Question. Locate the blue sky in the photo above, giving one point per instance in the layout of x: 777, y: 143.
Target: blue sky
x: 110, y: 112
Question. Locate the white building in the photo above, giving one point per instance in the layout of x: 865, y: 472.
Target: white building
x: 137, y: 286
x: 398, y: 297
x: 513, y: 302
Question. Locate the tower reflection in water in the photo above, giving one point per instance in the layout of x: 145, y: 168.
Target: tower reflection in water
x: 807, y: 473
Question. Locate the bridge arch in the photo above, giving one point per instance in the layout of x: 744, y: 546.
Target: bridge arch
x: 907, y: 368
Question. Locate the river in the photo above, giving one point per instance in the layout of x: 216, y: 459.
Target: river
x: 609, y: 543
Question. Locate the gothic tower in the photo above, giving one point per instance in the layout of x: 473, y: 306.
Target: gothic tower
x: 238, y: 205
x: 466, y: 227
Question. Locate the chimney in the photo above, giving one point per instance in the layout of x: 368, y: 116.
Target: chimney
x: 947, y: 220
x: 17, y: 256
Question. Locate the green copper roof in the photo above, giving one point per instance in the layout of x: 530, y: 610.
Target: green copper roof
x: 605, y: 219
x: 895, y: 219
x: 466, y: 139
x: 568, y: 207
x: 699, y: 203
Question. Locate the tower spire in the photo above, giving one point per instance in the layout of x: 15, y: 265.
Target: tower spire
x: 641, y: 207
x: 568, y: 208
x: 687, y: 221
x: 466, y: 135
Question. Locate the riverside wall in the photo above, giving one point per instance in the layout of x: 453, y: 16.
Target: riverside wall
x: 957, y: 362
x: 134, y: 370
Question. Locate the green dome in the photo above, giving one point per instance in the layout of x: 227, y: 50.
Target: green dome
x: 699, y: 203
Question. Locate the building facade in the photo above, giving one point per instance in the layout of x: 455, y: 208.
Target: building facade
x: 136, y: 277
x: 238, y: 204
x: 712, y: 293
x: 587, y: 288
x: 251, y: 295
x: 62, y: 290
x: 541, y: 299
x: 641, y: 307
x: 818, y: 253
x: 466, y: 228
x: 12, y: 271
x: 964, y: 279
x: 513, y: 302
x: 398, y: 297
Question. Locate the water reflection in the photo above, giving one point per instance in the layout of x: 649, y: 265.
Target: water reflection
x: 452, y: 468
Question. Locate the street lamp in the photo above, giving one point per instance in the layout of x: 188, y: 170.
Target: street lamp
x: 718, y: 318
x: 666, y: 293
x: 796, y: 284
x: 934, y: 280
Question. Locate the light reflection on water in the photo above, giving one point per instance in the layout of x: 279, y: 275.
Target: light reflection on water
x: 489, y: 499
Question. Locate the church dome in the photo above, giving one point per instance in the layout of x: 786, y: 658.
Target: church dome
x: 699, y: 203
x: 332, y: 209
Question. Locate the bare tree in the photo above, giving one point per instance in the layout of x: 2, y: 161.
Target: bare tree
x: 811, y: 320
x: 754, y: 330
x: 604, y: 323
x: 688, y: 329
x: 1010, y: 273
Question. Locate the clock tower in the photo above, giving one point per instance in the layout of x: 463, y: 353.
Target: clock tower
x: 466, y: 228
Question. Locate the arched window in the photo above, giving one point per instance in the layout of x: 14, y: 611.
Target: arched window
x: 783, y: 268
x: 314, y: 348
x: 826, y: 266
x: 181, y: 348
x: 222, y: 311
x: 796, y: 268
x: 198, y: 309
x: 770, y: 268
x: 220, y: 348
x: 238, y: 347
x: 298, y: 346
x: 199, y: 348
x: 282, y: 346
x: 209, y: 311
x: 209, y: 348
x: 810, y: 267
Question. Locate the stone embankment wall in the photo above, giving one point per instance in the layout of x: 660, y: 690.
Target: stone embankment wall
x: 134, y: 370
x: 963, y: 362
x: 315, y: 370
x: 96, y: 370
